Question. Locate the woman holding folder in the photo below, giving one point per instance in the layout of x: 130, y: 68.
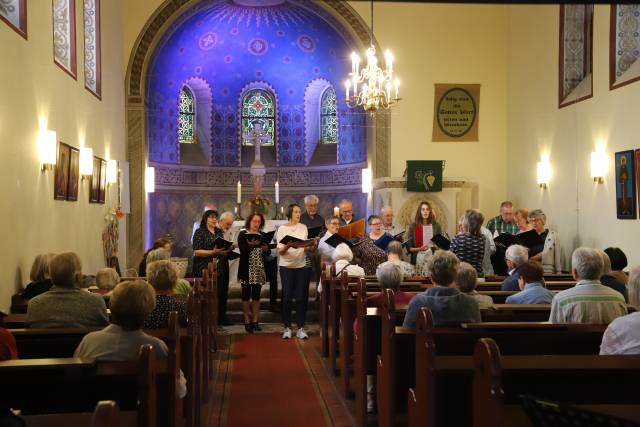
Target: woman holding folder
x: 204, y: 248
x: 251, y: 274
x: 421, y: 241
x: 292, y: 245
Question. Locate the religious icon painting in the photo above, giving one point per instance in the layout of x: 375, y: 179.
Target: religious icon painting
x: 74, y: 174
x: 103, y: 181
x: 61, y: 183
x: 94, y: 192
x: 625, y: 168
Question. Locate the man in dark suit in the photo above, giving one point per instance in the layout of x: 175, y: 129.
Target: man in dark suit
x: 515, y: 256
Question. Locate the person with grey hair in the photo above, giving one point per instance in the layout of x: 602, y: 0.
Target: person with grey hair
x: 65, y: 305
x: 448, y: 305
x: 224, y: 224
x: 468, y: 245
x: 388, y: 225
x: 547, y: 253
x: 515, y: 256
x: 504, y: 222
x: 346, y: 212
x: 623, y: 334
x: 162, y: 275
x: 608, y: 279
x: 467, y: 280
x: 589, y: 301
x: 394, y: 256
x: 332, y: 224
x: 313, y: 220
x: 342, y: 258
x: 107, y: 279
x: 182, y: 287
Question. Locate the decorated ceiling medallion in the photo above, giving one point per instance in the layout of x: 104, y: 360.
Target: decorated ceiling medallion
x: 258, y: 46
x: 306, y: 44
x: 208, y: 40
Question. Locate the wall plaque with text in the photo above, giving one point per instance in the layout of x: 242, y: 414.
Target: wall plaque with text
x: 456, y: 112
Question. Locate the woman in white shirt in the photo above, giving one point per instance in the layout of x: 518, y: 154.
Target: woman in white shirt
x: 293, y: 273
x: 342, y: 258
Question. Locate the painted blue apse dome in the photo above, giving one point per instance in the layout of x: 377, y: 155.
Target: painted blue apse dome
x: 223, y: 49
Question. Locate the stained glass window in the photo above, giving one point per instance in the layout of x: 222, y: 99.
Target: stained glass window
x: 329, y: 117
x: 258, y: 107
x: 186, y: 130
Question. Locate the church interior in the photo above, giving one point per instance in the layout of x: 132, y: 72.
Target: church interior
x: 142, y: 132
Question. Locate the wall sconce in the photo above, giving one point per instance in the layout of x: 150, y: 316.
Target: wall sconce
x: 86, y: 162
x: 544, y: 174
x: 598, y: 165
x: 47, y: 144
x: 112, y: 171
x: 366, y: 180
x: 150, y: 179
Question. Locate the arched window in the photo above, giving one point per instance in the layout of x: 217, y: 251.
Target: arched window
x: 186, y: 128
x: 258, y: 107
x: 329, y: 117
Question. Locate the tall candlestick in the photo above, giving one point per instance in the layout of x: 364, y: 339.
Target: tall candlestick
x: 239, y: 198
x: 277, y: 192
x: 336, y: 211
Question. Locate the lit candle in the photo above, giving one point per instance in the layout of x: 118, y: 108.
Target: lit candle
x: 355, y: 86
x: 239, y: 198
x: 336, y: 211
x: 277, y: 192
x: 347, y: 84
x: 388, y: 91
x: 397, y: 84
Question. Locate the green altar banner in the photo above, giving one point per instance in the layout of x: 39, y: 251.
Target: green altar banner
x: 424, y: 175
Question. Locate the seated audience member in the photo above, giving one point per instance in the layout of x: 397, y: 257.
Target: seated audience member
x: 468, y: 245
x: 394, y: 256
x: 65, y: 305
x: 107, y: 279
x: 342, y: 258
x: 40, y: 277
x: 549, y: 252
x: 447, y: 304
x: 162, y: 275
x: 608, y: 279
x: 589, y: 301
x: 8, y: 348
x: 161, y: 243
x: 182, y: 287
x: 623, y: 334
x: 466, y: 281
x: 515, y: 256
x: 618, y: 263
x: 531, y: 283
x: 130, y: 304
x: 326, y: 250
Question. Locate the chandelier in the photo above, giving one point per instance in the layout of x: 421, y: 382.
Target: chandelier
x: 371, y: 87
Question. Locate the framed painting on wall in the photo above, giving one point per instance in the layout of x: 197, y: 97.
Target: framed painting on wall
x: 638, y: 175
x: 625, y: 185
x: 61, y: 180
x: 94, y: 193
x: 103, y: 181
x: 74, y: 174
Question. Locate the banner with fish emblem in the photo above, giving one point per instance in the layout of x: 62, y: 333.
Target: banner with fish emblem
x: 424, y: 175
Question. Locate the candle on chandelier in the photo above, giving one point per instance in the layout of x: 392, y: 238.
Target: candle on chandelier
x: 239, y: 197
x: 388, y: 91
x: 336, y: 211
x: 397, y: 84
x: 277, y: 192
x: 347, y: 85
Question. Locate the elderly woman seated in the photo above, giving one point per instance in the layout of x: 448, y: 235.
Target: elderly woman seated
x: 609, y: 279
x: 342, y: 258
x: 182, y: 287
x: 163, y: 275
x: 107, y: 279
x: 467, y: 280
x: 130, y: 303
x: 40, y: 277
x: 394, y: 256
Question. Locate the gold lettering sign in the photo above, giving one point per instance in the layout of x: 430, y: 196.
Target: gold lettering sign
x: 456, y: 112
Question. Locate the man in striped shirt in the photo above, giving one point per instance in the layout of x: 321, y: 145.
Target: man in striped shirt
x: 589, y: 301
x: 504, y: 222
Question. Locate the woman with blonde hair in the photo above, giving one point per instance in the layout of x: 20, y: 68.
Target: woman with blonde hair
x: 40, y: 277
x: 163, y: 276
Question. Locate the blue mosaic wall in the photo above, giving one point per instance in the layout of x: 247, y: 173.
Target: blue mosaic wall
x: 230, y: 46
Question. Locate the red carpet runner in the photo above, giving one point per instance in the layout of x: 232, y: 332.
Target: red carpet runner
x: 270, y: 385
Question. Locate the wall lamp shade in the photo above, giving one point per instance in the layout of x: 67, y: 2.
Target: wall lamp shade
x: 47, y: 144
x: 544, y: 173
x: 150, y: 179
x: 112, y: 171
x: 86, y: 161
x: 366, y: 180
x: 598, y: 166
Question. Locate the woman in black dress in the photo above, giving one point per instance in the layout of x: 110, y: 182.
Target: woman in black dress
x: 203, y: 247
x: 251, y: 273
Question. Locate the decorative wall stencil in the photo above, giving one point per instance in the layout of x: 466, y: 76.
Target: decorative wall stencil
x: 625, y: 168
x: 14, y: 13
x: 576, y: 58
x: 92, y: 53
x: 64, y: 35
x: 624, y: 45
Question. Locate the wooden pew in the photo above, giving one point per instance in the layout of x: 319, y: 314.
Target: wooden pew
x: 443, y: 358
x: 585, y: 379
x: 551, y: 285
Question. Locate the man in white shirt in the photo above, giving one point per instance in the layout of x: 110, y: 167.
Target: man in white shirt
x: 589, y: 301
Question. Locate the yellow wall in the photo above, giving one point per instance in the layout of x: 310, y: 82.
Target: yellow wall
x: 583, y: 212
x: 34, y: 89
